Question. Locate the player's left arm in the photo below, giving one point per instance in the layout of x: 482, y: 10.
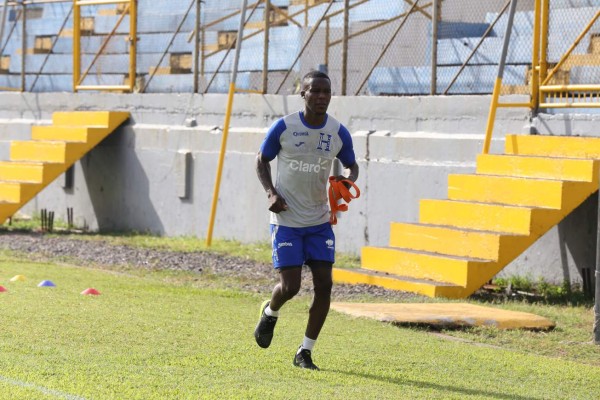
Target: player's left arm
x: 351, y: 172
x: 347, y: 157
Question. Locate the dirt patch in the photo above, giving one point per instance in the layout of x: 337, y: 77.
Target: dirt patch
x: 257, y: 277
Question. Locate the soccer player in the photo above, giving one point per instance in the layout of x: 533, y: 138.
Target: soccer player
x: 305, y: 144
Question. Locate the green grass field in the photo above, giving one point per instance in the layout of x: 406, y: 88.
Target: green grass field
x: 162, y: 335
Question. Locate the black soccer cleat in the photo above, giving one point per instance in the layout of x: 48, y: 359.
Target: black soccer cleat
x: 265, y: 327
x: 303, y: 359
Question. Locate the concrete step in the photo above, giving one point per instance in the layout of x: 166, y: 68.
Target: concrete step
x: 530, y: 192
x: 106, y: 119
x: 579, y: 170
x: 420, y: 264
x: 29, y: 172
x: 18, y: 192
x: 47, y: 151
x: 395, y: 282
x: 69, y: 133
x: 445, y: 240
x: 553, y: 146
x: 514, y: 220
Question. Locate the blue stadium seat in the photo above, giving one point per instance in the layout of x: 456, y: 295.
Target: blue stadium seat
x: 60, y: 10
x: 574, y: 3
x: 283, y: 47
x: 447, y: 30
x: 183, y: 83
x: 178, y: 7
x: 417, y: 80
x: 91, y: 44
x: 374, y: 10
x: 63, y: 63
x: 57, y: 82
x: 456, y: 51
x: 151, y: 23
x: 158, y: 42
x: 13, y: 47
x: 42, y: 26
x: 585, y: 75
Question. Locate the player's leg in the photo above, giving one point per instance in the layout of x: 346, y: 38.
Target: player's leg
x: 319, y: 245
x: 322, y: 280
x: 288, y: 286
x: 287, y: 259
x: 323, y: 283
x: 290, y: 279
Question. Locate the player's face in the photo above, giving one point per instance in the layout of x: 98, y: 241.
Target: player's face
x: 317, y: 95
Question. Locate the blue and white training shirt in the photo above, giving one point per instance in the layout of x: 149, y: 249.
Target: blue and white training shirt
x: 304, y: 158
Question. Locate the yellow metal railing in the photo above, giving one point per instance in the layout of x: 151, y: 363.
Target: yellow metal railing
x: 78, y: 77
x: 542, y: 93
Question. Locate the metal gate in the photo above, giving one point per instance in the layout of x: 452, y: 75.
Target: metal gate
x: 78, y: 76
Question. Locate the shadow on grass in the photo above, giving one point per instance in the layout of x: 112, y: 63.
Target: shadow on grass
x: 429, y: 385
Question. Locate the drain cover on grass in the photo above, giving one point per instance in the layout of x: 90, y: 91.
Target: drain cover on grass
x: 445, y: 315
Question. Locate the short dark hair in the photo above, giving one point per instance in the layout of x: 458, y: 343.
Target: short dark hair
x: 314, y: 74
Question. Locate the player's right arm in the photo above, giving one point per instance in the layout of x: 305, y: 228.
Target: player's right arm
x: 268, y: 151
x: 277, y: 203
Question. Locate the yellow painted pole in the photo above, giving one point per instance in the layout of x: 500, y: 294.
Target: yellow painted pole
x: 535, y: 60
x: 76, y: 44
x: 213, y: 208
x: 492, y: 116
x: 238, y: 48
x: 498, y: 83
x: 544, y: 27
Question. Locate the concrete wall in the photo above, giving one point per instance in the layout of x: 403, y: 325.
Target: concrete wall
x: 406, y: 147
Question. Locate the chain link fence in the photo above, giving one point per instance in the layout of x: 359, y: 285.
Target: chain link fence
x: 573, y: 54
x: 368, y: 47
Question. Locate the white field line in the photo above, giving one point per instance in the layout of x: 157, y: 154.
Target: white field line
x: 42, y: 389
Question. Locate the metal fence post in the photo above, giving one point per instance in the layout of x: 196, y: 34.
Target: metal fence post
x: 197, y: 47
x: 132, y: 44
x: 434, y: 39
x: 76, y: 44
x: 23, y: 46
x: 345, y: 47
x: 265, y: 77
x: 3, y: 22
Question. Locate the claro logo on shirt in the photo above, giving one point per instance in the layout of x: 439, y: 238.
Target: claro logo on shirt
x: 309, y: 167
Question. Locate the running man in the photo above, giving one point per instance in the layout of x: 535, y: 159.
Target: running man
x: 305, y: 144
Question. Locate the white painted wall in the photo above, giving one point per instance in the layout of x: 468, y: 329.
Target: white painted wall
x: 406, y: 148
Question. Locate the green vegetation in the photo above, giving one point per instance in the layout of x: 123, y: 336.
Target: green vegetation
x: 34, y: 222
x: 154, y: 335
x: 540, y: 291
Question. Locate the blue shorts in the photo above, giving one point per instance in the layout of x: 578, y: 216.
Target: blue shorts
x: 295, y: 246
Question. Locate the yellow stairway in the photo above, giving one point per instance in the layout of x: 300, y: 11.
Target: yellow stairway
x: 35, y: 163
x: 489, y: 218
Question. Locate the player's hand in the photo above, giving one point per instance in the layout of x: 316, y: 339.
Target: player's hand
x: 341, y: 178
x: 277, y: 203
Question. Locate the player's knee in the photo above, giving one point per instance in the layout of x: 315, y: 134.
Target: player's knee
x: 323, y: 287
x: 290, y: 289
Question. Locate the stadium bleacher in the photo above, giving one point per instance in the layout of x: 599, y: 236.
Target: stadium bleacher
x: 158, y: 21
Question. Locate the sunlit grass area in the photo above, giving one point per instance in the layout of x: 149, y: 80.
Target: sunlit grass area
x: 163, y: 335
